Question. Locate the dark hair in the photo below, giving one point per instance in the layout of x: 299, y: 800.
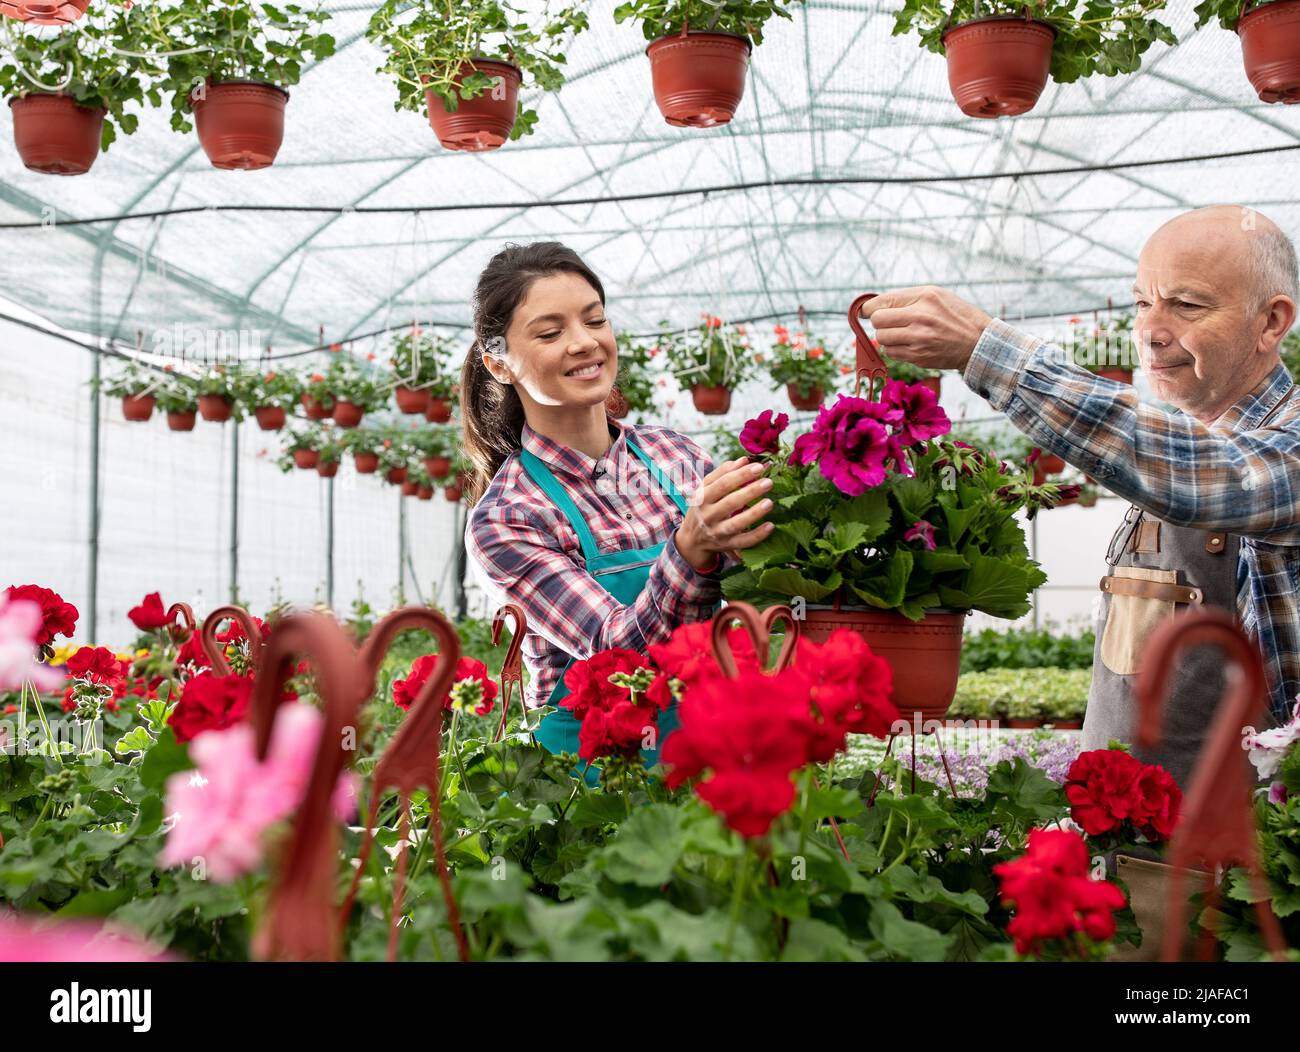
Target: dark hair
x: 491, y: 411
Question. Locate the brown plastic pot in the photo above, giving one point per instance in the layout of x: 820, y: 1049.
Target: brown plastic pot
x: 1047, y: 464
x: 54, y: 135
x: 44, y: 12
x: 348, y: 414
x: 411, y: 400
x: 315, y: 408
x: 396, y: 475
x: 711, y: 401
x: 366, y: 463
x: 616, y: 405
x: 138, y: 408
x: 1124, y: 376
x: 481, y: 123
x: 698, y: 77
x: 327, y: 471
x: 269, y: 417
x: 453, y: 493
x: 998, y: 66
x: 215, y: 408
x: 240, y: 123
x: 425, y: 493
x: 410, y: 487
x: 1270, y: 48
x: 437, y: 467
x: 439, y: 411
x: 181, y: 421
x: 925, y: 655
x: 812, y: 400
x: 934, y: 383
x: 306, y: 458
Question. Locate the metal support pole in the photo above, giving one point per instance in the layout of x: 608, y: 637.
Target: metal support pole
x: 329, y: 543
x: 401, y: 549
x: 234, y: 512
x: 92, y: 560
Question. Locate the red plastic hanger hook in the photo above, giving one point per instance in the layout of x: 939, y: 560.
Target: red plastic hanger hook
x: 759, y: 628
x: 215, y: 651
x: 869, y: 362
x: 1217, y: 827
x: 512, y: 674
x: 186, y: 615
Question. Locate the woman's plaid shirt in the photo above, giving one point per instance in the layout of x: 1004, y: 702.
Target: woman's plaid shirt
x: 526, y: 552
x: 1232, y: 475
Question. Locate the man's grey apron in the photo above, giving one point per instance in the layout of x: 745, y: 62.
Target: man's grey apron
x: 1156, y: 570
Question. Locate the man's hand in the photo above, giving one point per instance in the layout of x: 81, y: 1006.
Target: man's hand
x: 927, y: 326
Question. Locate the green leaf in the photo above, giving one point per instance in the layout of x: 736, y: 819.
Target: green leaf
x: 870, y: 509
x: 646, y: 848
x: 774, y: 550
x: 788, y: 582
x: 886, y: 589
x: 166, y: 758
x: 98, y: 903
x: 907, y: 939
x: 815, y: 940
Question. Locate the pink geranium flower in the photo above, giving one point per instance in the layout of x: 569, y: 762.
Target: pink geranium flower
x: 762, y: 434
x: 922, y: 417
x: 923, y: 531
x: 44, y: 940
x: 850, y: 443
x: 21, y: 624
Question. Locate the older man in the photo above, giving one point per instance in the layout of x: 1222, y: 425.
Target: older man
x: 1214, y: 486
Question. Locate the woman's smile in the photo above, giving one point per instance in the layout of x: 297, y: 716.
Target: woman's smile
x: 589, y: 371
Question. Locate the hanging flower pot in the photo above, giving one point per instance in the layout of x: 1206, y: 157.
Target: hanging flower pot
x: 699, y: 78
x: 933, y: 383
x: 439, y: 411
x: 327, y: 471
x: 411, y: 400
x: 396, y: 475
x: 1124, y: 376
x: 315, y: 408
x: 437, y: 467
x: 137, y: 408
x: 998, y: 66
x: 453, y: 493
x: 181, y: 421
x: 425, y: 493
x: 483, y: 122
x: 366, y: 463
x: 215, y: 408
x: 54, y: 135
x: 812, y: 400
x: 44, y: 12
x: 925, y: 655
x: 1270, y: 48
x: 269, y: 417
x: 410, y: 487
x: 1047, y: 464
x: 240, y: 123
x: 711, y: 401
x: 348, y: 414
x: 306, y: 458
x: 616, y: 405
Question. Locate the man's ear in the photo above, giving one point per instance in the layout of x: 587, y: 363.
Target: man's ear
x: 1279, y: 319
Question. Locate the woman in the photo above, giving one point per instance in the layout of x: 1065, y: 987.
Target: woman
x: 580, y: 520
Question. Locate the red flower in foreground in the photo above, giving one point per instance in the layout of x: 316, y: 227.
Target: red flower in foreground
x: 849, y: 691
x: 98, y: 664
x: 1053, y: 894
x: 762, y: 434
x: 57, y: 617
x: 192, y: 652
x: 150, y: 614
x: 1108, y: 787
x: 688, y: 654
x: 405, y: 691
x: 588, y: 680
x: 210, y: 703
x: 614, y: 721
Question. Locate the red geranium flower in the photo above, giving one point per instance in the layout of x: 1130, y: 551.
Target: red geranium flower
x: 150, y: 614
x: 210, y: 703
x: 58, y: 618
x: 588, y: 680
x: 688, y: 654
x: 98, y: 664
x: 762, y: 434
x: 1108, y: 788
x: 405, y: 691
x: 192, y: 652
x: 849, y: 691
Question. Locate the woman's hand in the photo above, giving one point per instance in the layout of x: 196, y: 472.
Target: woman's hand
x: 719, y: 519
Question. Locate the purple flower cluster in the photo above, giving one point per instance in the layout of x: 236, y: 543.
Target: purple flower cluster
x: 970, y: 767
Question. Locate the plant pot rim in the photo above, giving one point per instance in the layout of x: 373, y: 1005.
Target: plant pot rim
x: 189, y: 99
x: 1257, y: 8
x: 479, y: 60
x: 696, y: 34
x: 858, y: 608
x: 55, y: 95
x: 1000, y: 18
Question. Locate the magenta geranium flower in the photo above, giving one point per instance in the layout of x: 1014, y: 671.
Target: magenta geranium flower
x: 763, y: 433
x: 921, y: 530
x: 850, y: 443
x: 923, y: 418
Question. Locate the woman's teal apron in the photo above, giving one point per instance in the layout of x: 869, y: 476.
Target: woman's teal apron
x: 623, y: 574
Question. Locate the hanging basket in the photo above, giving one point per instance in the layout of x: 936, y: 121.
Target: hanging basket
x: 424, y: 493
x: 933, y: 383
x: 411, y: 400
x: 306, y: 459
x: 240, y: 123
x: 396, y: 476
x: 55, y: 136
x: 1124, y: 376
x: 812, y: 400
x: 181, y: 421
x: 1270, y: 49
x: 698, y: 77
x: 998, y: 66
x: 366, y: 463
x: 453, y: 493
x: 348, y: 414
x: 439, y: 411
x: 410, y: 487
x: 138, y: 408
x: 711, y: 401
x: 327, y: 471
x: 315, y: 408
x: 269, y: 417
x: 437, y: 467
x: 215, y: 408
x: 44, y: 12
x: 481, y: 123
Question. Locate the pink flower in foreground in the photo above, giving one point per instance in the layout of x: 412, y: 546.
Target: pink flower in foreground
x: 922, y: 417
x: 762, y: 434
x: 222, y: 808
x: 21, y: 624
x: 921, y: 530
x: 850, y: 443
x: 40, y: 940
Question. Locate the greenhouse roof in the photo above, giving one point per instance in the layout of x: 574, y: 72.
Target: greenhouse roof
x: 847, y: 168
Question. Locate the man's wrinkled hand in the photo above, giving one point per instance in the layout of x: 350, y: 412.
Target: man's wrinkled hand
x: 927, y: 326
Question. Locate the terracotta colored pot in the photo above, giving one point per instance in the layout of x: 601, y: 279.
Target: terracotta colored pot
x: 348, y: 414
x: 711, y: 401
x: 54, y: 135
x: 453, y: 493
x: 269, y: 417
x: 44, y: 12
x: 925, y: 655
x: 1022, y: 725
x: 1088, y: 502
x: 306, y: 458
x: 327, y: 471
x: 411, y: 400
x: 1124, y: 376
x: 215, y: 408
x: 366, y: 463
x: 396, y: 475
x: 1049, y: 464
x: 812, y: 401
x: 240, y: 123
x: 1067, y: 725
x: 934, y: 383
x: 315, y: 408
x: 410, y: 487
x: 1270, y: 48
x: 438, y: 467
x: 481, y: 123
x: 699, y: 78
x: 616, y: 405
x: 998, y: 66
x: 181, y: 421
x: 439, y: 411
x: 425, y: 493
x: 137, y: 408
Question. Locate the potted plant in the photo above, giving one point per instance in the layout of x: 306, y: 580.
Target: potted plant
x: 466, y: 62
x: 351, y: 389
x: 329, y: 454
x: 393, y: 463
x: 444, y: 396
x: 69, y: 92
x: 699, y: 53
x: 316, y: 397
x: 1270, y: 42
x: 633, y: 391
x: 302, y: 450
x: 804, y: 366
x: 436, y: 446
x: 229, y: 64
x: 908, y: 373
x: 711, y: 359
x: 364, y: 447
x: 882, y: 525
x: 178, y: 398
x: 416, y: 364
x: 1000, y: 52
x: 137, y: 387
x: 218, y: 388
x: 271, y: 396
x: 1108, y: 349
